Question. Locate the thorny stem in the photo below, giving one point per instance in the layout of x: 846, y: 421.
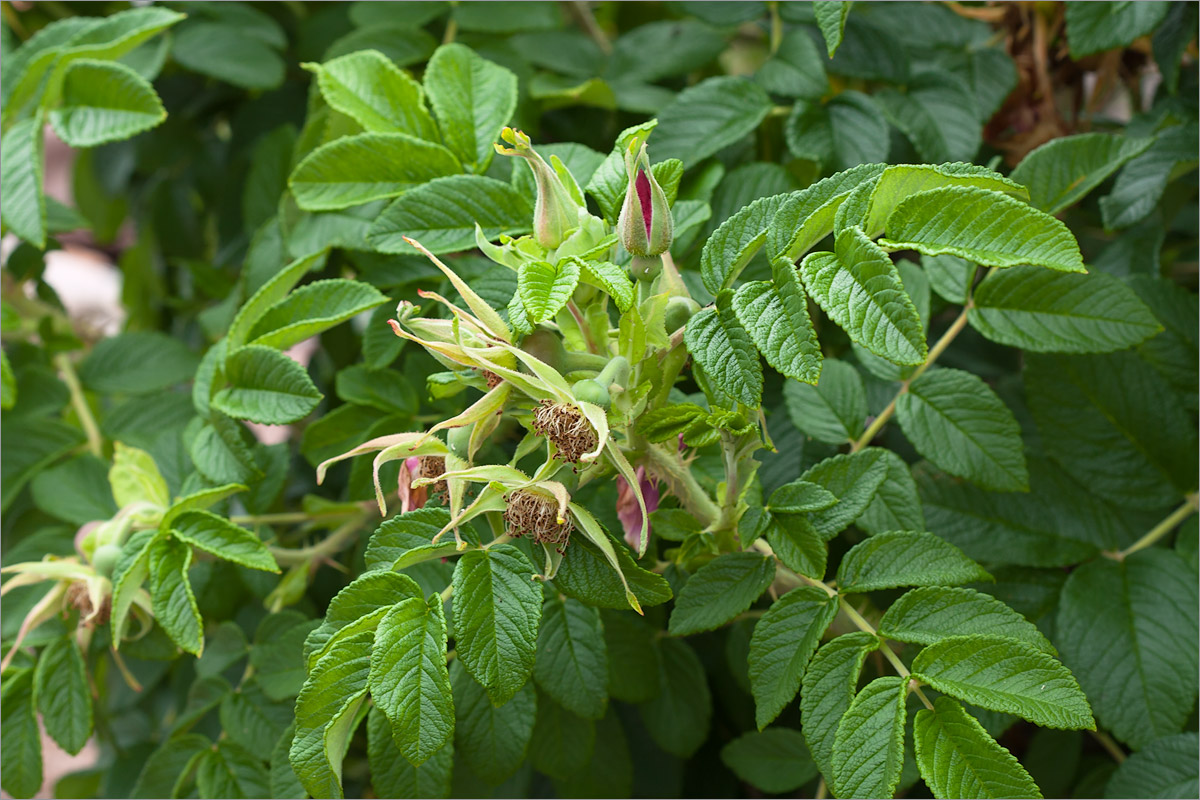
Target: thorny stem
x: 79, y: 403
x: 1161, y: 529
x: 670, y: 469
x: 955, y: 328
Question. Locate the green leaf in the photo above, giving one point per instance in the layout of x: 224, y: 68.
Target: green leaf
x: 1128, y: 630
x: 409, y: 682
x: 868, y: 751
x: 326, y: 711
x: 229, y: 770
x: 267, y: 296
x: 365, y: 600
x: 938, y: 114
x: 1112, y: 423
x: 1140, y: 185
x: 170, y: 766
x: 832, y: 411
x: 442, y: 215
x: 222, y: 452
x: 807, y: 217
x: 732, y: 245
x: 782, y: 644
x: 387, y: 390
x: 664, y: 49
x: 8, y: 383
x: 20, y: 738
x: 905, y: 558
x: 853, y: 478
x: 26, y: 450
x: 930, y: 614
x: 277, y: 653
x: 609, y: 277
x: 402, y: 533
x: 796, y: 69
x: 679, y: 716
x: 228, y: 53
x: 1005, y: 675
x: 667, y: 423
x: 62, y: 696
x: 1046, y: 311
x: 76, y: 491
x: 898, y: 183
x: 572, y: 661
x: 223, y: 539
x: 1092, y: 28
x: 775, y: 314
x: 131, y: 569
x: 250, y: 718
x: 311, y: 309
x: 562, y: 742
x: 798, y: 544
x: 1165, y: 768
x: 775, y: 761
x: 137, y: 362
x: 587, y: 575
x: 1063, y: 171
x: 725, y: 351
x: 104, y: 102
x: 391, y: 773
x: 1000, y: 231
x: 367, y: 86
x: 198, y: 501
x: 135, y: 478
x: 958, y: 758
x: 497, y: 609
x: 267, y: 387
x: 473, y: 98
x: 709, y: 116
x: 831, y: 18
x: 720, y: 590
x: 171, y: 594
x: 545, y: 288
x: 860, y: 289
x: 357, y: 169
x: 827, y: 691
x: 844, y: 132
x: 950, y: 276
x: 633, y: 657
x: 896, y: 505
x: 956, y: 421
x: 799, y: 497
x: 491, y: 740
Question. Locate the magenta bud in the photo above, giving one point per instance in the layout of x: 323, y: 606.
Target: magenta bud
x: 645, y: 225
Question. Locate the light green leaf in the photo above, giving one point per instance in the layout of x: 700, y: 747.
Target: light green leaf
x: 491, y: 740
x: 391, y: 773
x: 1061, y: 172
x: 171, y: 595
x: 442, y: 215
x: 20, y: 737
x: 545, y: 288
x: 807, y: 217
x: 8, y: 383
x: 1046, y: 311
x: 358, y: 607
x: 782, y: 644
x: 905, y: 558
x: 860, y: 289
x: 844, y: 132
x: 937, y: 112
x: 720, y: 590
x: 326, y: 711
x: 983, y: 226
x: 473, y: 98
x: 868, y: 751
x: 930, y: 614
x: 132, y: 568
x: 799, y: 497
x: 572, y: 661
x: 679, y: 716
x: 135, y: 478
x: 854, y: 478
x: 409, y: 682
x: 1128, y: 630
x: 827, y: 691
x: 775, y: 761
x: 956, y: 421
x: 1095, y: 27
x: 229, y: 770
x: 731, y: 246
x: 267, y: 296
x: 896, y: 505
x: 831, y: 19
x: 1113, y: 423
x: 367, y: 86
x: 267, y: 387
x: 723, y: 348
x: 899, y: 182
x: 709, y: 116
x: 1005, y: 675
x: 832, y: 411
x: 357, y: 169
x: 958, y: 758
x: 223, y: 539
x: 1165, y: 768
x: 609, y: 277
x: 137, y: 362
x: 775, y: 314
x: 62, y: 696
x: 104, y: 102
x: 311, y: 309
x: 198, y: 501
x: 497, y: 609
x: 229, y: 53
x: 168, y: 767
x: 402, y: 533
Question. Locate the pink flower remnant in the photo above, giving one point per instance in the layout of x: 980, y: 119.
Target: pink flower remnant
x: 627, y: 506
x: 411, y: 498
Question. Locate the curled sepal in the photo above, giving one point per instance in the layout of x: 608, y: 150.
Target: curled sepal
x: 556, y: 211
x: 645, y: 225
x: 595, y: 534
x: 484, y: 408
x: 491, y: 498
x: 418, y: 445
x: 554, y: 558
x: 487, y: 315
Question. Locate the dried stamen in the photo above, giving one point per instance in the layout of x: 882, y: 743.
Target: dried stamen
x: 534, y: 515
x: 565, y: 425
x: 493, y: 380
x: 433, y: 467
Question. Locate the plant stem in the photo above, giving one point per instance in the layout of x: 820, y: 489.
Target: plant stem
x: 271, y: 519
x: 877, y: 425
x: 587, y: 19
x: 584, y: 330
x: 330, y: 545
x: 776, y: 26
x: 1163, y: 528
x: 79, y: 403
x: 670, y: 469
x: 1109, y: 745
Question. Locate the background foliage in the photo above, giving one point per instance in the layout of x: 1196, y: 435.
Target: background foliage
x: 229, y: 153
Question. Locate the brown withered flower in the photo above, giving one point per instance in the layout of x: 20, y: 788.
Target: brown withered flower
x: 565, y: 425
x: 532, y: 514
